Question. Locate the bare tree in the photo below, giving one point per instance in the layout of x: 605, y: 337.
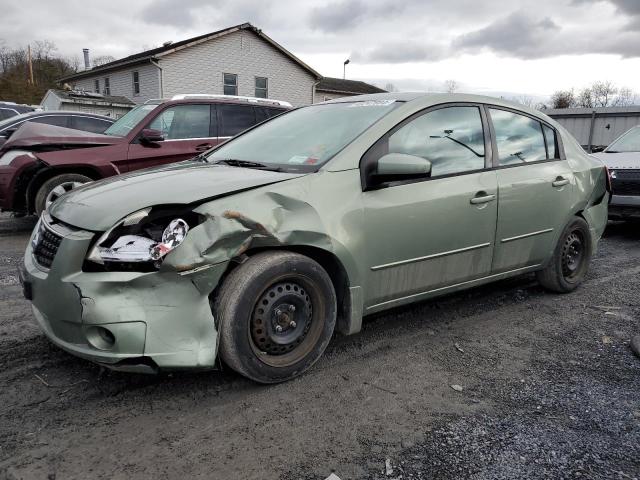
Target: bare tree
x: 563, y: 99
x: 451, y: 86
x: 625, y: 98
x: 102, y: 59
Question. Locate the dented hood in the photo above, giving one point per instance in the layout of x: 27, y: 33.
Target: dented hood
x: 31, y: 135
x: 98, y: 206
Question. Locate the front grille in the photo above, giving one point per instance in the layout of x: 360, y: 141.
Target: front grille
x: 46, y: 244
x: 626, y: 182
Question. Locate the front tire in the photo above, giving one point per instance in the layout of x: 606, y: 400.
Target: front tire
x: 276, y: 314
x: 55, y: 187
x: 570, y: 262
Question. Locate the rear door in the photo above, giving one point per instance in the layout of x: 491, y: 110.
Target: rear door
x: 535, y: 189
x: 187, y: 130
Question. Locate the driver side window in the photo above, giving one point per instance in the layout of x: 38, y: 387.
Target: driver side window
x: 451, y: 138
x: 183, y: 121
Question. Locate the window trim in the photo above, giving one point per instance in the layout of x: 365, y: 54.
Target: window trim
x: 136, y: 83
x: 107, y: 86
x: 255, y: 87
x: 96, y: 85
x: 496, y: 160
x: 367, y: 161
x: 224, y: 84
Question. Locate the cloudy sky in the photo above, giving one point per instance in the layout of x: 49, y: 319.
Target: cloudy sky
x: 518, y: 47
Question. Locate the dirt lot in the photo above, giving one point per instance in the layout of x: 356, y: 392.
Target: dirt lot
x: 550, y: 389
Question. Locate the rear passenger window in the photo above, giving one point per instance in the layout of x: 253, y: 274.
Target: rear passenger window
x: 519, y: 138
x: 88, y: 124
x: 183, y: 121
x: 57, y: 120
x: 235, y: 119
x: 451, y: 138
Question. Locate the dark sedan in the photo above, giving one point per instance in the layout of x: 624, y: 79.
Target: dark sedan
x: 89, y: 122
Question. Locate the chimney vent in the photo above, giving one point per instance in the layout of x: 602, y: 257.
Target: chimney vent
x: 87, y: 63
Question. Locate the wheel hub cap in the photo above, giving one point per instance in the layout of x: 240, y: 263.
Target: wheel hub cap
x: 60, y: 190
x: 572, y: 253
x: 281, y: 319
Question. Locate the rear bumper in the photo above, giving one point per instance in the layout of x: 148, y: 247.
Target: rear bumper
x: 124, y: 320
x: 624, y: 206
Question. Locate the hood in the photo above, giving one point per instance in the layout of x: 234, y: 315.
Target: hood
x: 630, y: 160
x: 98, y: 206
x: 33, y: 136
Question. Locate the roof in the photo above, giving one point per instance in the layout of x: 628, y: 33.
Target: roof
x: 148, y: 55
x: 587, y: 112
x: 339, y: 85
x: 78, y: 96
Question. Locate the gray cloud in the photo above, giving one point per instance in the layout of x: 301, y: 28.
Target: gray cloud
x: 403, y: 52
x: 517, y: 35
x: 170, y: 12
x: 345, y: 14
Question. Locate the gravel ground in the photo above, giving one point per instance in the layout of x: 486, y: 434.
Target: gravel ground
x: 547, y: 387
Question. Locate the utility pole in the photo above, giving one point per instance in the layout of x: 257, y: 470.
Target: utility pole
x: 344, y: 68
x: 30, y: 64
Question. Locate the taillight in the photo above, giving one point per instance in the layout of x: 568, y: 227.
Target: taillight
x: 609, y: 187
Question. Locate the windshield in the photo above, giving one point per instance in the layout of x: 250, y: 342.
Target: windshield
x: 12, y: 120
x: 303, y: 139
x: 629, y: 142
x: 128, y: 121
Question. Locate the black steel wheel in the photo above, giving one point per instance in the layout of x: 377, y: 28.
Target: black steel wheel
x: 276, y: 314
x: 570, y: 261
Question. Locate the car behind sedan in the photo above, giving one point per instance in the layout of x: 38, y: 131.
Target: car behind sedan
x: 622, y: 158
x: 257, y: 252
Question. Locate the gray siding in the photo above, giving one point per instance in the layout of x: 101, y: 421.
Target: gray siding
x: 199, y: 69
x: 610, y: 122
x: 121, y: 82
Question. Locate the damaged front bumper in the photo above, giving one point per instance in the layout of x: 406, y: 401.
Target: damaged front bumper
x: 123, y: 320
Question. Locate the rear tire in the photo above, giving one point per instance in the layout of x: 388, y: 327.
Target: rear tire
x: 55, y: 187
x: 570, y: 262
x: 276, y: 314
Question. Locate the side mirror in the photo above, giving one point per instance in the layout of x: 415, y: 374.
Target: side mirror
x: 597, y: 149
x: 399, y: 166
x: 149, y: 135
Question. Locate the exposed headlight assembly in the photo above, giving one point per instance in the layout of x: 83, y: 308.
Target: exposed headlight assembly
x: 145, y: 236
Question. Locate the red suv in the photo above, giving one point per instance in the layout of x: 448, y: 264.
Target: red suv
x: 41, y: 162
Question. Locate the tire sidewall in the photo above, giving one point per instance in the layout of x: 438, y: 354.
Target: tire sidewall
x: 46, y: 188
x: 243, y: 305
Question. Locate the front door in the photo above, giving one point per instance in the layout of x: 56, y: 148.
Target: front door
x: 430, y: 234
x: 187, y: 130
x: 535, y: 190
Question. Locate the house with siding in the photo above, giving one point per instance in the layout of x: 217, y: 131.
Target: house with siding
x: 239, y: 60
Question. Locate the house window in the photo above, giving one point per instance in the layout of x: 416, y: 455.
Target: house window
x: 261, y: 87
x: 96, y: 85
x: 107, y: 88
x: 136, y: 83
x: 230, y: 84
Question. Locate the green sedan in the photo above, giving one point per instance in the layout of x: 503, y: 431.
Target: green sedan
x: 260, y: 249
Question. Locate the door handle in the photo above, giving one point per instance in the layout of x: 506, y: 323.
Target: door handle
x: 560, y: 182
x: 203, y: 146
x: 482, y: 197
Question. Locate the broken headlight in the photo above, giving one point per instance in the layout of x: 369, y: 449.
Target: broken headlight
x: 145, y: 236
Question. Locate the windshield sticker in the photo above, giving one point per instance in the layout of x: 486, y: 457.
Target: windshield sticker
x: 298, y: 159
x: 372, y: 103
